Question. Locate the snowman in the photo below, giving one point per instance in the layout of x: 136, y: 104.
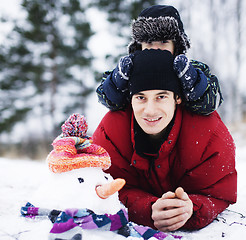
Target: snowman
x: 79, y: 198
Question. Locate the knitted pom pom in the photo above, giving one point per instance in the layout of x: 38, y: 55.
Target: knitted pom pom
x: 75, y: 126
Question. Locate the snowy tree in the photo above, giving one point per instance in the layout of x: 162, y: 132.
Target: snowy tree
x: 119, y: 15
x: 44, y: 64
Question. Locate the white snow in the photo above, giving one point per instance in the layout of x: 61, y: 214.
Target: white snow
x: 21, y: 178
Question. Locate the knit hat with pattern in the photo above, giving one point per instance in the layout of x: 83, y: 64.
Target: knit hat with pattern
x: 152, y: 70
x: 159, y: 23
x: 73, y: 149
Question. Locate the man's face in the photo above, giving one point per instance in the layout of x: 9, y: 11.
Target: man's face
x: 162, y: 45
x: 154, y: 110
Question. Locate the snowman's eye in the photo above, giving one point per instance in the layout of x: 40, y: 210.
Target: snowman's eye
x: 81, y: 180
x: 106, y: 177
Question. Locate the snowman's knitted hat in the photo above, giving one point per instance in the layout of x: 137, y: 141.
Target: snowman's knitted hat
x: 159, y: 23
x: 73, y: 149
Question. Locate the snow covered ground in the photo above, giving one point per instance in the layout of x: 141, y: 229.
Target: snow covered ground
x: 20, y: 178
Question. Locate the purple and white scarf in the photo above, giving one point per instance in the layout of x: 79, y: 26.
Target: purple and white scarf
x: 71, y: 220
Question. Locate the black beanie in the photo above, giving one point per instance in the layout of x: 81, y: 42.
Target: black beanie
x: 153, y: 70
x: 159, y: 23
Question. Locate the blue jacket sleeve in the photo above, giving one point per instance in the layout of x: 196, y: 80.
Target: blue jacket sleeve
x: 204, y: 97
x: 109, y: 95
x: 207, y: 96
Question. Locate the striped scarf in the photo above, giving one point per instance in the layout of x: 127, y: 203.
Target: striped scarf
x: 71, y: 219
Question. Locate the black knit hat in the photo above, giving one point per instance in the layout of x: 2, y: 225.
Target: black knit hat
x: 159, y: 23
x: 153, y: 70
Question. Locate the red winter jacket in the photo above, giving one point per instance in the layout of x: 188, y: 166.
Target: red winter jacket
x: 199, y: 155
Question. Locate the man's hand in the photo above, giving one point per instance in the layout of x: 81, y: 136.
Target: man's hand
x: 172, y: 210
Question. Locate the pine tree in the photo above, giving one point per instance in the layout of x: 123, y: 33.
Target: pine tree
x: 120, y: 14
x: 44, y: 64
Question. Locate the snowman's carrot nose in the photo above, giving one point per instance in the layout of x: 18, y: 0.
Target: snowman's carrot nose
x: 108, y: 189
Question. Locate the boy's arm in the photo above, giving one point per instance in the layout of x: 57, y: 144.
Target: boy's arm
x: 200, y: 88
x: 212, y: 97
x: 113, y: 89
x: 105, y: 99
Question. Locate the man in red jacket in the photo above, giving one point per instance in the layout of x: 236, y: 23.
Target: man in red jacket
x: 179, y: 167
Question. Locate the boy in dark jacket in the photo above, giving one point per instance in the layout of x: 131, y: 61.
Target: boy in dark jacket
x: 179, y: 167
x: 160, y: 27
